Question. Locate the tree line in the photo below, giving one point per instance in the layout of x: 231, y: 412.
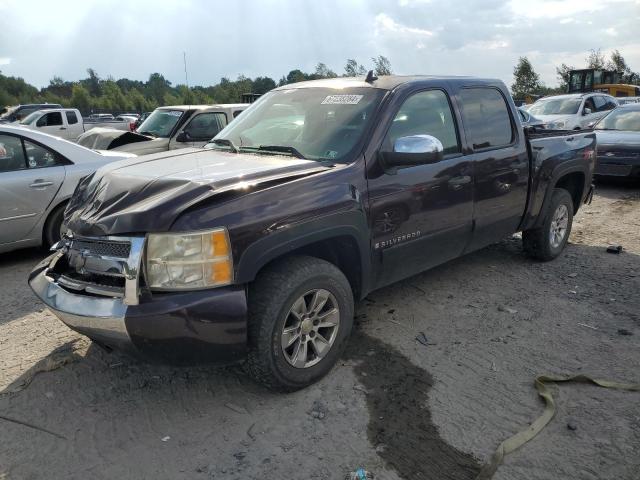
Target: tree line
x: 527, y: 81
x: 97, y: 94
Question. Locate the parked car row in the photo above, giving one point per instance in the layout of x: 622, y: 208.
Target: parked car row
x: 38, y: 174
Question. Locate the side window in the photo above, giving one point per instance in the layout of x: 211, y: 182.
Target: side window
x: 72, y: 118
x: 11, y: 154
x: 522, y: 115
x: 50, y: 120
x: 611, y: 103
x: 600, y: 103
x: 425, y: 113
x: 39, y: 157
x: 236, y: 113
x: 590, y: 104
x: 486, y: 118
x: 205, y: 126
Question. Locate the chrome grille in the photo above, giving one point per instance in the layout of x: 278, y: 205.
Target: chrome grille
x: 104, y: 248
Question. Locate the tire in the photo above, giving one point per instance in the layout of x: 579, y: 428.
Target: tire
x: 274, y: 303
x: 52, y: 227
x: 538, y: 242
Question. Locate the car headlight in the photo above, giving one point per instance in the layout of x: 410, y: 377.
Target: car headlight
x: 556, y: 125
x: 187, y: 261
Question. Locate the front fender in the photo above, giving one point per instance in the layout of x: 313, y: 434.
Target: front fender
x: 351, y: 224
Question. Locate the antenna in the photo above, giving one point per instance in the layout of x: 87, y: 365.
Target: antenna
x: 371, y: 77
x: 186, y: 76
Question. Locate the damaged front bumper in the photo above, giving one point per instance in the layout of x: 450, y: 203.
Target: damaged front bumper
x: 205, y: 326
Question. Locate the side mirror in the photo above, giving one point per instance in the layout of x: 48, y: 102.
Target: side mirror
x: 183, y: 137
x: 413, y: 150
x: 586, y: 111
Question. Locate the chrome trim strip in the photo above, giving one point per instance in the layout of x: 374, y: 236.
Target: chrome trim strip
x: 18, y: 217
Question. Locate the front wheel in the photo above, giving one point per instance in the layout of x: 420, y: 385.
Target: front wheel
x: 547, y: 241
x: 300, y: 316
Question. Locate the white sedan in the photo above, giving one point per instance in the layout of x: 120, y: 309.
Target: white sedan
x: 38, y: 174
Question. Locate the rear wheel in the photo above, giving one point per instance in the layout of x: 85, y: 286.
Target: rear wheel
x: 53, y: 226
x: 547, y: 241
x: 300, y: 316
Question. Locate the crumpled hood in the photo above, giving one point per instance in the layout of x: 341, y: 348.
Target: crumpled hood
x: 554, y: 118
x: 147, y: 194
x: 100, y: 138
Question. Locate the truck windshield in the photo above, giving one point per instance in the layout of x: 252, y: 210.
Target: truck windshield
x: 312, y: 123
x: 558, y: 106
x: 160, y: 123
x: 29, y: 119
x: 621, y: 119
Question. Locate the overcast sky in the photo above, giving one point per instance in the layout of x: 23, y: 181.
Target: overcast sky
x: 133, y: 38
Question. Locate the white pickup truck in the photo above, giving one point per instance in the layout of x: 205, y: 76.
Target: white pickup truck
x: 67, y: 123
x: 167, y: 128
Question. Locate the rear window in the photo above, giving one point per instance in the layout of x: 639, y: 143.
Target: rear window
x: 486, y: 118
x: 72, y: 118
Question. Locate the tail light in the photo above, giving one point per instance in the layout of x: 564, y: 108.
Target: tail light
x: 132, y: 126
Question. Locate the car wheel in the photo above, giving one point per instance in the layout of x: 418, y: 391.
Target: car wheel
x: 548, y: 241
x: 53, y: 226
x: 300, y: 316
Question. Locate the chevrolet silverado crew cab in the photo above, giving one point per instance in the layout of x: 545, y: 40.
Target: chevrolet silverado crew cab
x: 255, y: 248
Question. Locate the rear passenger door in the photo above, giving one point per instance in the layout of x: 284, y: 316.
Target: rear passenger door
x: 74, y: 127
x: 30, y: 177
x: 420, y: 215
x: 500, y: 164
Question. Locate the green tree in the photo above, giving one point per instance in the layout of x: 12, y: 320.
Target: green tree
x: 617, y: 63
x: 381, y: 65
x: 80, y: 98
x: 526, y: 80
x: 93, y: 83
x: 158, y: 87
x: 562, y: 72
x: 354, y: 69
x: 263, y: 85
x: 595, y: 59
x: 322, y: 71
x: 295, y: 76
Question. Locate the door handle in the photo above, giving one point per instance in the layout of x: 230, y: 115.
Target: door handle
x: 40, y: 184
x: 63, y: 128
x: 460, y: 180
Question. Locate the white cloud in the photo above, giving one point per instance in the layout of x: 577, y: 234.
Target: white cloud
x: 611, y: 31
x: 385, y: 24
x: 5, y: 60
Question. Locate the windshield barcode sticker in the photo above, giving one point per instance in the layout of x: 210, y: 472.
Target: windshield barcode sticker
x: 342, y: 99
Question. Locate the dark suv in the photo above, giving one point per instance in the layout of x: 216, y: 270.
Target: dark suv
x: 22, y: 111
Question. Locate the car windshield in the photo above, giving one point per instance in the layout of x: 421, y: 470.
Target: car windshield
x: 557, y: 106
x: 160, y: 123
x: 621, y: 119
x: 29, y: 119
x: 313, y: 123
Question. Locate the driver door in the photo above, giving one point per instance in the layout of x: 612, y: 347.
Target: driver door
x: 421, y: 216
x: 52, y: 123
x: 200, y: 130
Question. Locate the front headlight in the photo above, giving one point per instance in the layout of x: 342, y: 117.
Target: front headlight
x: 187, y: 261
x: 557, y: 125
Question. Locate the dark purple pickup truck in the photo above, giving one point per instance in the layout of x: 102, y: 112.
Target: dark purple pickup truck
x: 256, y: 247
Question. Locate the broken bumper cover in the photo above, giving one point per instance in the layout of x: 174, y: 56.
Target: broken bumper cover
x: 206, y: 326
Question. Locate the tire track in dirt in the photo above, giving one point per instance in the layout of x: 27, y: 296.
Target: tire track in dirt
x: 400, y: 424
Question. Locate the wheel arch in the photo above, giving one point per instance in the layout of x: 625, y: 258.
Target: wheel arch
x: 345, y: 244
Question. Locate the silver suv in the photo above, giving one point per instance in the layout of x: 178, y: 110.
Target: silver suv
x: 573, y: 111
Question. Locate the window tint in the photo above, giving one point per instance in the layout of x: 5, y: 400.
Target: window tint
x: 589, y: 103
x: 39, y: 157
x: 486, y: 118
x: 50, y: 120
x: 205, y: 126
x: 11, y: 154
x: 600, y: 103
x: 72, y: 118
x: 425, y: 113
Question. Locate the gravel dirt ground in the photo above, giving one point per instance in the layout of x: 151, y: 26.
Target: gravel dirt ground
x: 400, y: 408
